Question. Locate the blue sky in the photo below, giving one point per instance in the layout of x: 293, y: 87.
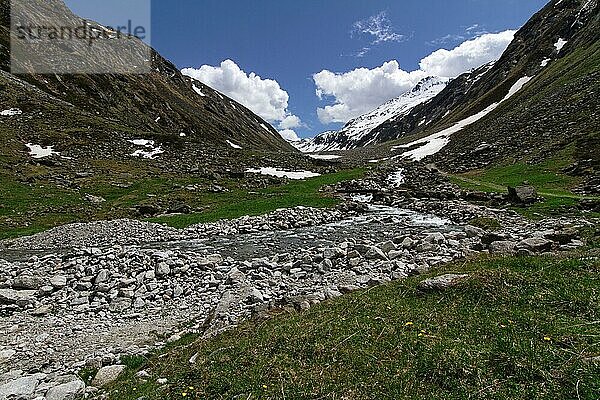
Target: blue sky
x: 289, y: 41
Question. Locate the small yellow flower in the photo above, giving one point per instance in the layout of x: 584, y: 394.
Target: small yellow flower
x: 547, y: 339
x: 184, y: 394
x: 265, y: 387
x: 409, y: 324
x: 191, y: 388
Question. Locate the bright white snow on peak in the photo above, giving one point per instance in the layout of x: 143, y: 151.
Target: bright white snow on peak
x: 361, y: 127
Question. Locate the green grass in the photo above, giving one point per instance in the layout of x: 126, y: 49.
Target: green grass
x: 554, y: 186
x: 30, y: 208
x: 518, y: 328
x: 239, y: 203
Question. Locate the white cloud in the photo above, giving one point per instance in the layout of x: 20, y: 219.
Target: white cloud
x: 362, y: 90
x: 379, y: 28
x: 470, y: 54
x: 264, y: 97
x: 289, y: 135
x: 289, y: 122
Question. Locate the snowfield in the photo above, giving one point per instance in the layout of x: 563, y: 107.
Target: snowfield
x: 294, y: 175
x: 432, y: 144
x: 324, y: 156
x: 358, y: 128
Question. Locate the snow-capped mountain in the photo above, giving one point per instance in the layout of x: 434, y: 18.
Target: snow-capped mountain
x: 357, y: 132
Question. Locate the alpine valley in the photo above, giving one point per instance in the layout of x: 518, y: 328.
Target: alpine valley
x: 159, y: 240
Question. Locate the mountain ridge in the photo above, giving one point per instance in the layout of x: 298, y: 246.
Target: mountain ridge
x: 72, y: 111
x: 357, y: 132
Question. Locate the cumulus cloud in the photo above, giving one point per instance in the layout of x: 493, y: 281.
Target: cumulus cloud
x: 264, y: 97
x: 289, y: 122
x: 470, y: 54
x: 289, y: 135
x: 362, y: 90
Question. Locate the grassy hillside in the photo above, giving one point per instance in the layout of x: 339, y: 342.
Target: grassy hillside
x: 518, y: 328
x: 27, y: 208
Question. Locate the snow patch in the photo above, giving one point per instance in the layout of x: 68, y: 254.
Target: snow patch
x: 142, y: 142
x: 150, y: 152
x: 182, y: 134
x: 233, y: 145
x: 150, y: 155
x: 197, y: 90
x: 294, y: 175
x: 11, y: 112
x: 37, y: 151
x: 432, y: 144
x: 324, y: 156
x: 516, y: 87
x: 545, y: 62
x: 560, y: 44
x: 265, y: 128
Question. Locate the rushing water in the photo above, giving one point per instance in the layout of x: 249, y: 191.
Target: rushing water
x: 379, y: 224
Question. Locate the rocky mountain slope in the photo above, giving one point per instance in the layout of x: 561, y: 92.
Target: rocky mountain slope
x: 554, y: 60
x: 362, y: 130
x: 97, y: 116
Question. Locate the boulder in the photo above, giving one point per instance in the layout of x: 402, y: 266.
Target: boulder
x: 21, y: 388
x: 107, y: 375
x: 524, y: 194
x: 536, y: 244
x: 28, y: 282
x: 67, y: 391
x: 58, y: 281
x: 441, y: 283
x: 503, y: 247
x: 375, y: 253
